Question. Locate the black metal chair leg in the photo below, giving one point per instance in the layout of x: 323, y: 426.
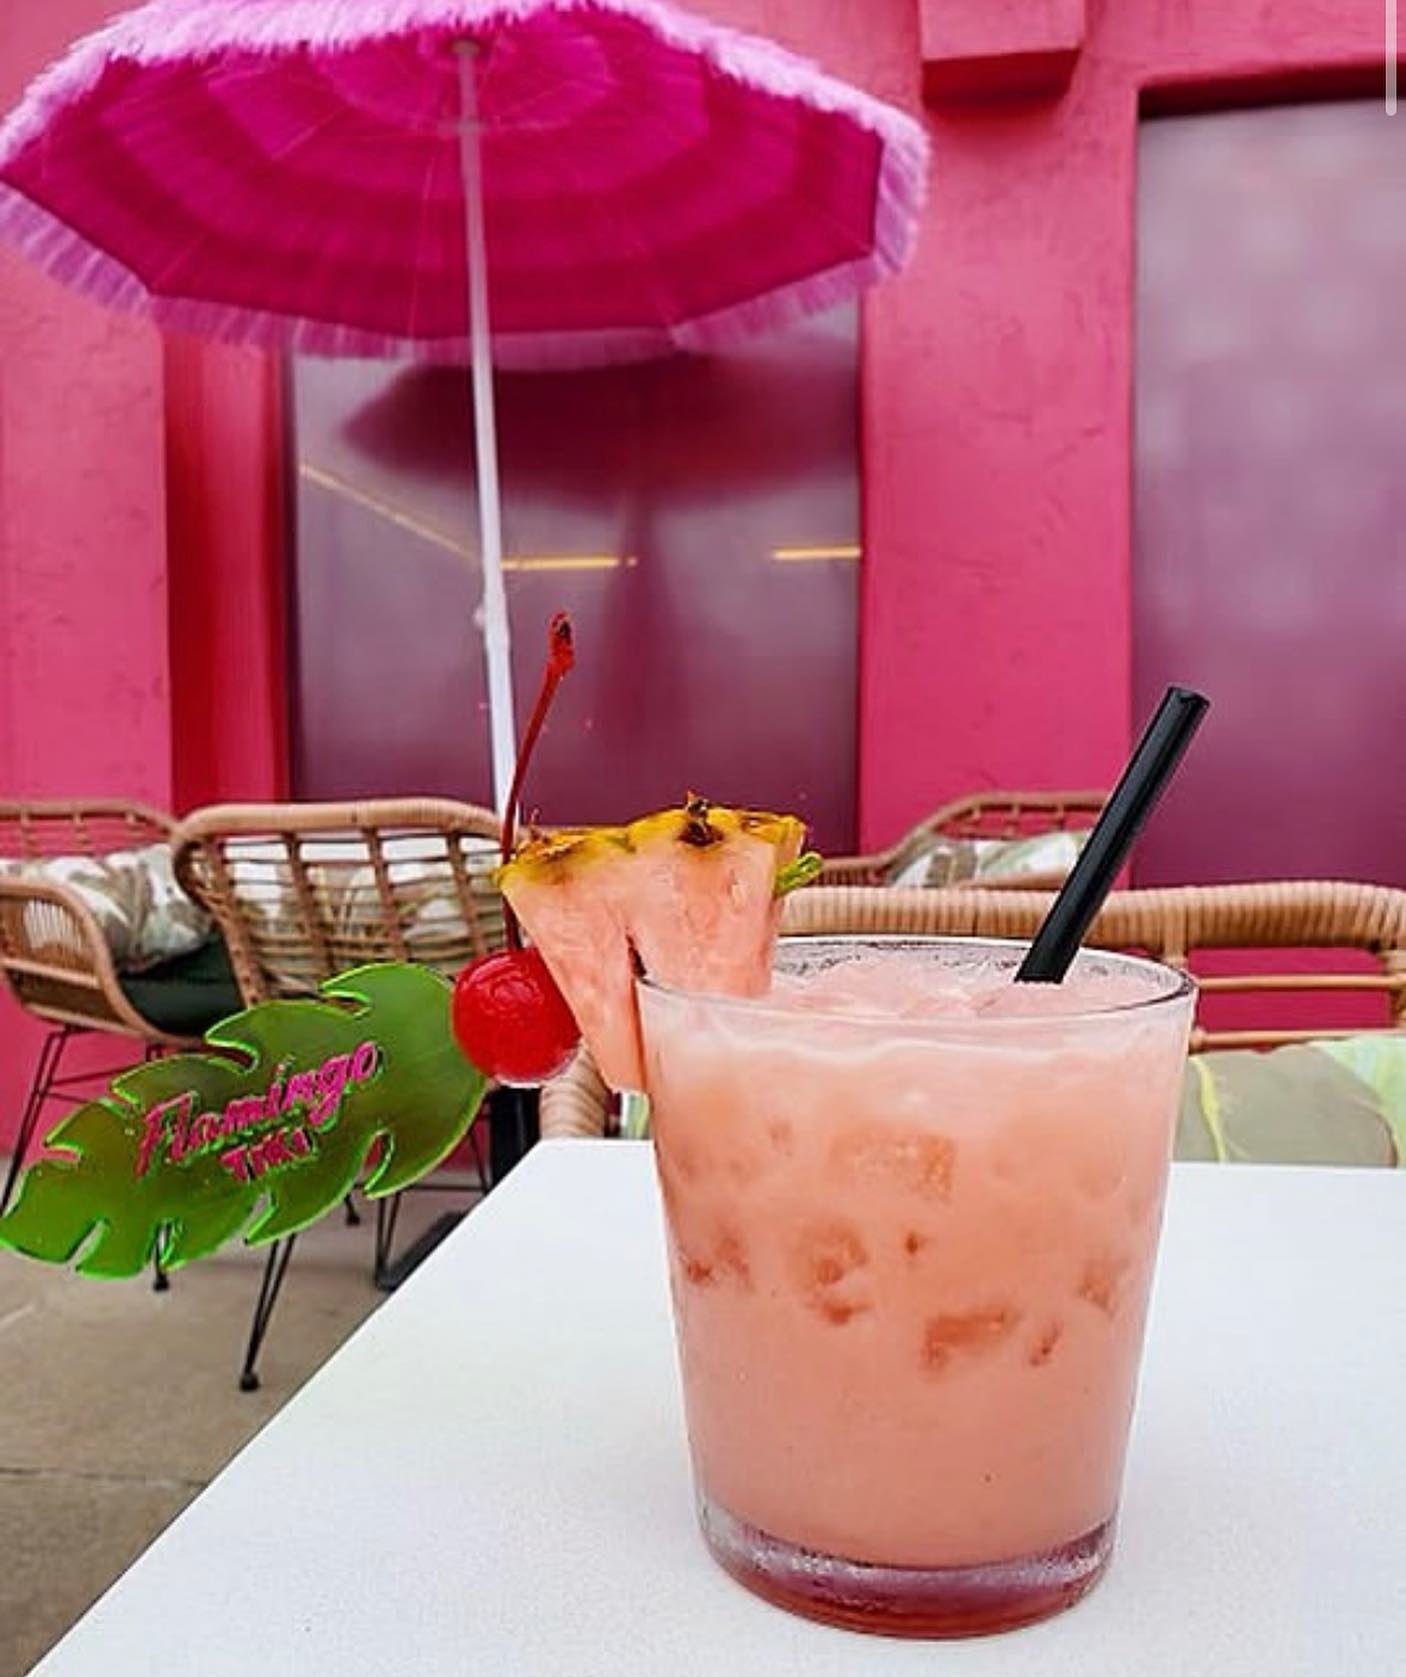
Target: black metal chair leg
x: 512, y: 1116
x: 480, y: 1163
x: 275, y: 1268
x: 353, y: 1215
x: 50, y: 1055
x: 387, y: 1216
x: 513, y: 1128
x: 160, y: 1279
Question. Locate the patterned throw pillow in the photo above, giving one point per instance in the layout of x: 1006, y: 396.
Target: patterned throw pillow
x: 168, y: 922
x: 143, y: 914
x: 1340, y: 1101
x: 932, y: 860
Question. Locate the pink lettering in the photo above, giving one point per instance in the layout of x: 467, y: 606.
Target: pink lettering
x: 302, y: 1090
x: 236, y: 1162
x: 268, y: 1154
x: 245, y: 1114
x: 332, y: 1081
x: 335, y: 1074
x: 179, y: 1127
x: 180, y: 1141
x: 204, y: 1130
x: 154, y: 1129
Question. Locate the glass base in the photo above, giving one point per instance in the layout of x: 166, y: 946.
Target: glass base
x: 907, y: 1601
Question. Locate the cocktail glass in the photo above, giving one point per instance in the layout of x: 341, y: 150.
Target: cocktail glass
x: 911, y: 1241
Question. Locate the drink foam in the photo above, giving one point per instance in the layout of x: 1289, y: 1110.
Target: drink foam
x: 898, y: 985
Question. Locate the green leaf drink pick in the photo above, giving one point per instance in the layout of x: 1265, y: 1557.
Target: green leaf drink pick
x: 261, y: 1135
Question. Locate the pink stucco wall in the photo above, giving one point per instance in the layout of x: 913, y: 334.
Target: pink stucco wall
x: 82, y: 522
x: 84, y: 698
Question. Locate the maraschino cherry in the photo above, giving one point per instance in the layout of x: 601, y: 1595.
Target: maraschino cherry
x: 507, y: 1014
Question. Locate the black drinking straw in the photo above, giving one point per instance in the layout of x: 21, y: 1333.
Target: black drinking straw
x: 1149, y: 770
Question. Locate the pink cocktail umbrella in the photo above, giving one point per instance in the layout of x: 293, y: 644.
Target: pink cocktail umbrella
x: 357, y: 177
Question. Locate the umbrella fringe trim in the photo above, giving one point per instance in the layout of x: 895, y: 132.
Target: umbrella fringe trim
x: 66, y: 255
x: 213, y: 29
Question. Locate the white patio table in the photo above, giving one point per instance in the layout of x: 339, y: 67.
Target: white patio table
x: 491, y: 1476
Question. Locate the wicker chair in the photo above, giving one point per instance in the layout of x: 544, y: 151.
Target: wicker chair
x: 1170, y: 924
x: 576, y: 1104
x: 53, y: 954
x: 303, y: 891
x: 982, y: 815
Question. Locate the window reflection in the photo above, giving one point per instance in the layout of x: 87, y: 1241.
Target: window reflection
x: 698, y: 516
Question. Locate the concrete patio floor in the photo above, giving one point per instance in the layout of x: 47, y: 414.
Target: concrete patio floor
x: 119, y: 1404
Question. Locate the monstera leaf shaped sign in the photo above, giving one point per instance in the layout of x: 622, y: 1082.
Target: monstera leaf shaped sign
x: 262, y: 1134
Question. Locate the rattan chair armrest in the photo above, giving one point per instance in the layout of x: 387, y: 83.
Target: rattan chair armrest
x: 855, y: 870
x: 1170, y: 922
x: 575, y: 1103
x: 255, y: 820
x: 74, y: 954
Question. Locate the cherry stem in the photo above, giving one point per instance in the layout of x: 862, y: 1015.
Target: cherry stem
x: 561, y: 655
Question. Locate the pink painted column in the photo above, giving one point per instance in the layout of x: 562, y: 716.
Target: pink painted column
x: 994, y: 636
x: 226, y: 574
x: 996, y: 606
x: 83, y: 644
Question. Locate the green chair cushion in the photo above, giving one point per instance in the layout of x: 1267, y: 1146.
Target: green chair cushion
x: 187, y: 995
x: 1341, y: 1101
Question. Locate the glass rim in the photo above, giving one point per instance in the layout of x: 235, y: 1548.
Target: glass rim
x: 762, y: 1007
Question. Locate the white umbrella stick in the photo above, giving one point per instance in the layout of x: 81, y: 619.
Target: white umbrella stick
x: 497, y: 640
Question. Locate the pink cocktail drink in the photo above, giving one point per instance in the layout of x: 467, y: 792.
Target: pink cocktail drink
x: 913, y: 1210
